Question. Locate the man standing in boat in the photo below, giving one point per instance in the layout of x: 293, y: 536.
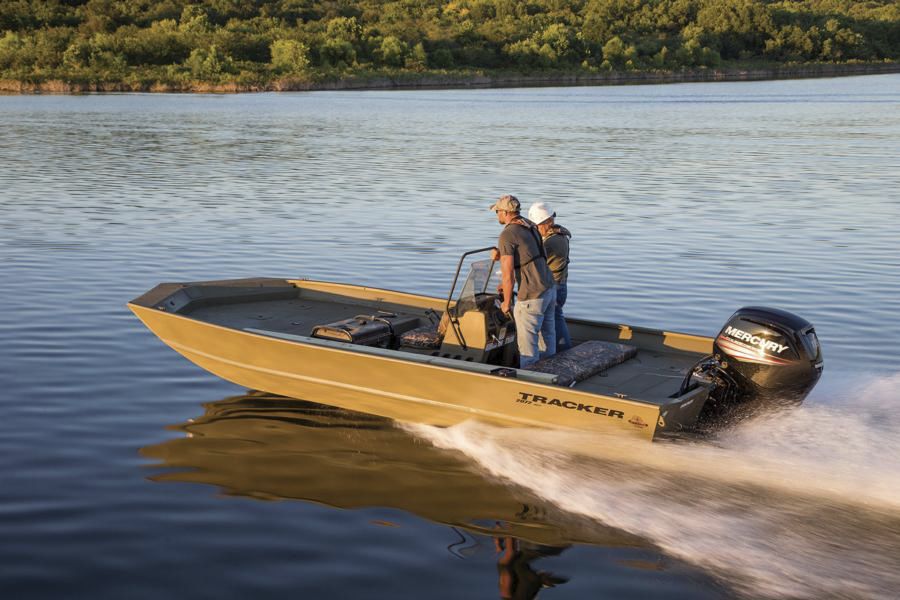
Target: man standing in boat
x: 556, y: 247
x: 523, y: 262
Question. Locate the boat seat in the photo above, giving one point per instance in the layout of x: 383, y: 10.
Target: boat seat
x: 583, y: 361
x: 426, y: 337
x: 367, y: 330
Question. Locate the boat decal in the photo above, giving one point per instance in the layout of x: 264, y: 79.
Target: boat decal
x: 638, y: 422
x: 535, y: 399
x: 748, y: 353
x: 497, y: 343
x: 754, y: 340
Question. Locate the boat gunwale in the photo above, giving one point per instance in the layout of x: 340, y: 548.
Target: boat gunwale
x: 298, y: 285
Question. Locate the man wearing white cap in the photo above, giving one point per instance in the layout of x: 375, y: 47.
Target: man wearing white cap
x: 522, y: 261
x: 556, y: 247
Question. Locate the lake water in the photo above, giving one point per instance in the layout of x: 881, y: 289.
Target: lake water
x: 126, y: 471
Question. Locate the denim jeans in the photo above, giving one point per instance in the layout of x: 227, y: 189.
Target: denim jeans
x: 563, y: 340
x: 535, y: 323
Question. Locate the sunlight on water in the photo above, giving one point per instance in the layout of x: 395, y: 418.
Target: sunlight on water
x: 804, y: 503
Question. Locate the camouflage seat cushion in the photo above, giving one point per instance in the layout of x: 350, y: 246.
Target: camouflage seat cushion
x: 426, y: 336
x: 583, y: 361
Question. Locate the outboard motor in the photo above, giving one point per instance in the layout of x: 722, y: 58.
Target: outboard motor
x: 762, y: 357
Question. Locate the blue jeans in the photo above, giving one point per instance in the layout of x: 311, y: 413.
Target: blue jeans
x: 563, y: 340
x: 535, y: 323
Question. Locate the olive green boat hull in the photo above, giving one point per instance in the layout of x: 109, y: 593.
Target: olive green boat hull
x: 408, y: 388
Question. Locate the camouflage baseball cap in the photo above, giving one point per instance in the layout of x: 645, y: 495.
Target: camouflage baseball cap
x: 507, y: 202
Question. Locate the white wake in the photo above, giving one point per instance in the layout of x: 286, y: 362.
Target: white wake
x: 803, y: 503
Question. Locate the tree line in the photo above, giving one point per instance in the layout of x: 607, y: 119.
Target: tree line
x: 141, y: 43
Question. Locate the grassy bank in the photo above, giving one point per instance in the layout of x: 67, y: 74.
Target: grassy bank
x: 393, y: 79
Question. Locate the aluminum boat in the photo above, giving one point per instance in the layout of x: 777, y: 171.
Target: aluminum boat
x: 424, y: 359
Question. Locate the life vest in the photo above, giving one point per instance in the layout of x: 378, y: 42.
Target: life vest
x: 560, y: 230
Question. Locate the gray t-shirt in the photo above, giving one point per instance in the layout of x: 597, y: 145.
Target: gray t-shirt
x: 524, y: 245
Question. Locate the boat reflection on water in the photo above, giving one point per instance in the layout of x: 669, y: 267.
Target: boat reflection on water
x: 270, y: 447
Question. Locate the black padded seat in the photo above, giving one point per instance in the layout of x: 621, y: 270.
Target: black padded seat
x: 583, y: 361
x: 425, y: 337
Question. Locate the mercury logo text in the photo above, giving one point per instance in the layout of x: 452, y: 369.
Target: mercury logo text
x: 755, y: 340
x: 526, y: 398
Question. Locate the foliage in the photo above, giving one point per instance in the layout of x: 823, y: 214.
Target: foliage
x: 219, y: 41
x: 209, y: 64
x: 290, y: 56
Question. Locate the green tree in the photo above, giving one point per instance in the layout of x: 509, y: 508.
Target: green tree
x: 393, y: 51
x: 344, y: 28
x: 417, y: 59
x: 290, y: 56
x: 343, y: 37
x: 617, y: 53
x: 194, y: 20
x: 337, y: 53
x: 735, y: 27
x: 11, y: 44
x: 525, y: 53
x: 209, y: 64
x: 49, y: 45
x: 661, y: 58
x: 442, y: 58
x: 162, y: 43
x: 558, y: 42
x: 16, y: 15
x: 77, y: 55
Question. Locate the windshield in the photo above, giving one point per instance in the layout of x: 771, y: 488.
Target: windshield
x: 484, y: 278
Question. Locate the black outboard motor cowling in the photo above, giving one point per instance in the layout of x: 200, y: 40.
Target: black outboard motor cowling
x: 770, y: 352
x: 761, y: 357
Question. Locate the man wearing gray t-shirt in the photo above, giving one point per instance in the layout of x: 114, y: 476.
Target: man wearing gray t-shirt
x: 523, y: 262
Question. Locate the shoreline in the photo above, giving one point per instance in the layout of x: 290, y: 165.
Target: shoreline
x: 473, y: 80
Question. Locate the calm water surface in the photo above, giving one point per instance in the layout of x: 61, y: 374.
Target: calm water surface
x: 125, y: 471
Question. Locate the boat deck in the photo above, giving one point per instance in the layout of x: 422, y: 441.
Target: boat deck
x: 652, y: 376
x: 292, y: 316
